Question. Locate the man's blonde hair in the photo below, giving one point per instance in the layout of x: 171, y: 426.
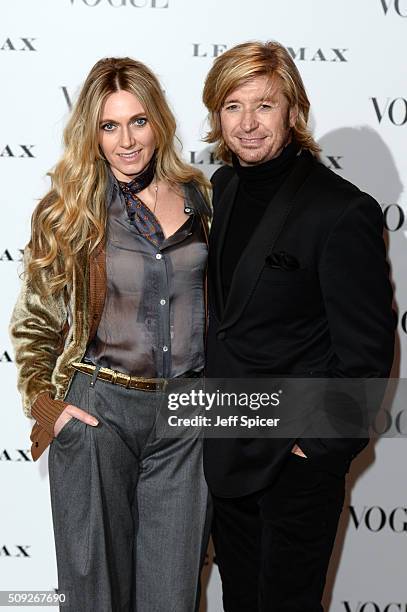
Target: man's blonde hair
x: 247, y: 61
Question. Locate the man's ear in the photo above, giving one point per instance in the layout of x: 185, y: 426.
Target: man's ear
x: 293, y: 116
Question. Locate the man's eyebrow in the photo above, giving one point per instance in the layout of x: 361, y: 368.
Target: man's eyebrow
x: 270, y: 97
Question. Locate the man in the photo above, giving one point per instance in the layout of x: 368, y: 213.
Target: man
x: 298, y: 287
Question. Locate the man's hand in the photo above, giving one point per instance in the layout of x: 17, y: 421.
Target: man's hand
x: 73, y: 412
x: 297, y: 451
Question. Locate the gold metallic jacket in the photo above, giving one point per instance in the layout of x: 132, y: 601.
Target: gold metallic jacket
x: 49, y: 334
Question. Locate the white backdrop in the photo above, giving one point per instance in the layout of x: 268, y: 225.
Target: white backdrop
x: 351, y: 55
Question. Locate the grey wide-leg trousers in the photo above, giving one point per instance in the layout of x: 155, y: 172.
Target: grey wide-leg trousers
x: 129, y: 509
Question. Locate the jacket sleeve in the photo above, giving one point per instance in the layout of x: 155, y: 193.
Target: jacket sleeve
x: 357, y: 295
x: 37, y: 332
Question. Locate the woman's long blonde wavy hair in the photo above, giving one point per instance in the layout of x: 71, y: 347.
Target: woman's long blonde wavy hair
x: 70, y: 220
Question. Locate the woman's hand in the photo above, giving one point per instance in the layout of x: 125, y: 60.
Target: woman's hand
x: 73, y: 412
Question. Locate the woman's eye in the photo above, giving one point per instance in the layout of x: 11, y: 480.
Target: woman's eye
x: 140, y: 121
x: 231, y: 107
x: 108, y: 127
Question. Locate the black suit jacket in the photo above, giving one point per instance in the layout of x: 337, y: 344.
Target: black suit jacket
x: 310, y: 296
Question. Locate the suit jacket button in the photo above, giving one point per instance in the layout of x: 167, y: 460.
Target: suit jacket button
x: 221, y: 335
x: 36, y: 445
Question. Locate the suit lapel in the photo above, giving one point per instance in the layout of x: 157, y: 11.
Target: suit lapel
x: 251, y: 263
x: 217, y: 237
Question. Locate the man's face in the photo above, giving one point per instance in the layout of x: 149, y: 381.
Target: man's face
x: 256, y: 120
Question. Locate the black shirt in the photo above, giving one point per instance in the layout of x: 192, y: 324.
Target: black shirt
x: 257, y: 186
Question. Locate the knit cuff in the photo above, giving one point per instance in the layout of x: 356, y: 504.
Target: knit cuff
x: 46, y: 410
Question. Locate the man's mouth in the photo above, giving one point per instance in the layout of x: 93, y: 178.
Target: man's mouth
x: 251, y: 141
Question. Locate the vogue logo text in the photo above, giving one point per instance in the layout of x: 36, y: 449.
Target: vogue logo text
x: 399, y: 7
x: 160, y: 4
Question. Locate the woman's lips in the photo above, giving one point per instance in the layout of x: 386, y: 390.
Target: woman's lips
x: 130, y: 157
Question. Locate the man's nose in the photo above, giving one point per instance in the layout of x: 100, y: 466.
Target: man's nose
x: 249, y: 121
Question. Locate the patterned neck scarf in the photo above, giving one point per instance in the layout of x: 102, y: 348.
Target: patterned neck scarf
x: 140, y: 215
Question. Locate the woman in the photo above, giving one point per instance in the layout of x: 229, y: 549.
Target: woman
x: 112, y: 307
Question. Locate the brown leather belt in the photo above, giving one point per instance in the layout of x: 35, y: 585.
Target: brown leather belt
x: 124, y: 380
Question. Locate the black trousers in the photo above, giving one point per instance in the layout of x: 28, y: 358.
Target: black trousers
x: 273, y: 547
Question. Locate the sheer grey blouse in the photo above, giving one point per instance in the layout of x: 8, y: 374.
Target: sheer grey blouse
x: 153, y: 320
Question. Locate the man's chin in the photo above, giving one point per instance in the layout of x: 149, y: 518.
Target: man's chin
x: 250, y: 158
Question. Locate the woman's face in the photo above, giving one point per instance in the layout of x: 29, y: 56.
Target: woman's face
x: 125, y: 135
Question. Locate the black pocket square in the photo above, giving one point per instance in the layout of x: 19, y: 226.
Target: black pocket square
x: 282, y: 261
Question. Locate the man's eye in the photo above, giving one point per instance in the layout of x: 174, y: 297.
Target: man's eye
x: 108, y: 127
x: 140, y: 121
